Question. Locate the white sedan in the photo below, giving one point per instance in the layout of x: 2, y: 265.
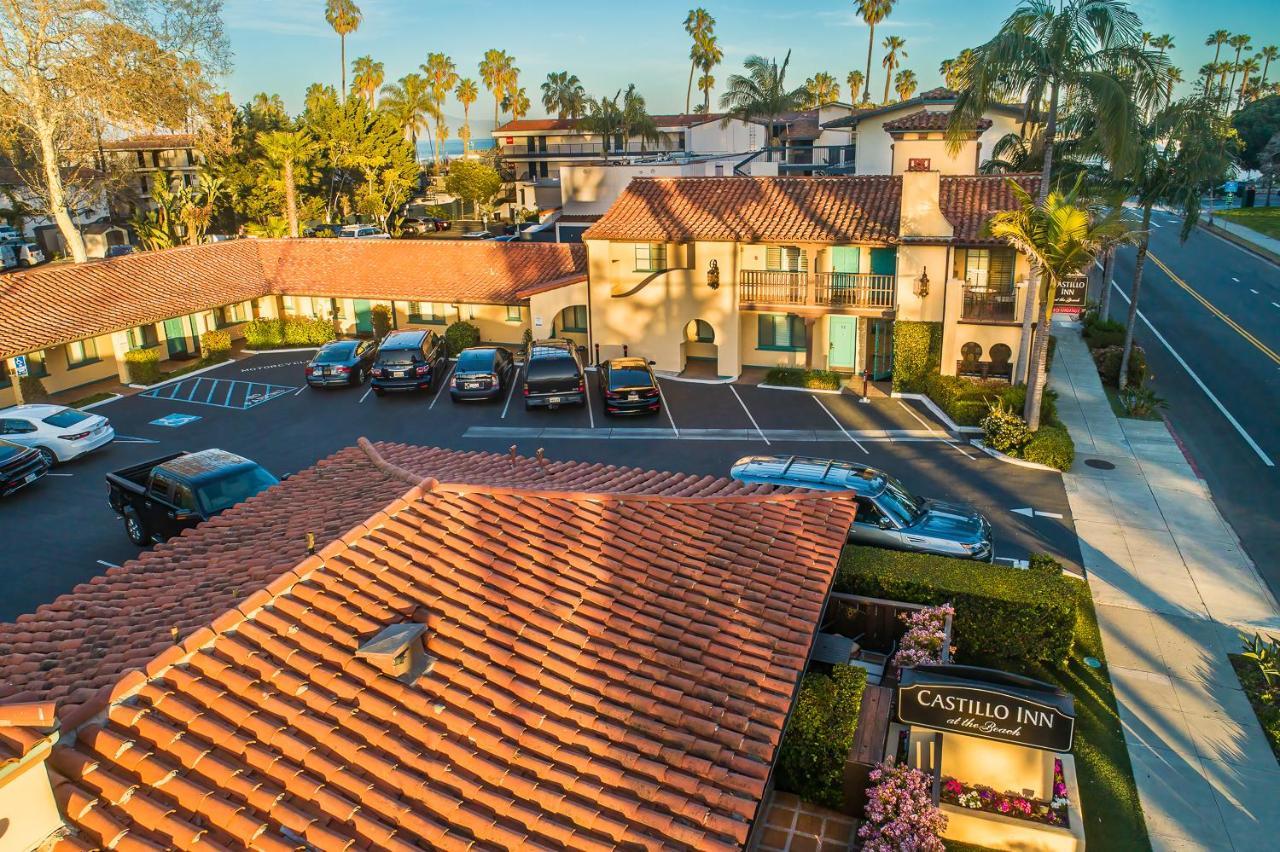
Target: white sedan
x: 363, y: 232
x: 59, y: 433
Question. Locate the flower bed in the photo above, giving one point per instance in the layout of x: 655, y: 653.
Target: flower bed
x: 976, y: 797
x: 900, y: 814
x: 926, y: 636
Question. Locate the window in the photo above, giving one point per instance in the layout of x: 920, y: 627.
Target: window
x: 989, y: 268
x: 81, y: 352
x: 651, y: 257
x: 780, y: 331
x: 574, y: 318
x: 513, y: 313
x: 232, y: 314
x: 143, y: 337
x: 428, y: 313
x: 703, y: 332
x: 786, y: 259
x: 16, y: 426
x: 142, y: 185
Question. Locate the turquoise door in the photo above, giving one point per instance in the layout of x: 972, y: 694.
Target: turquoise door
x: 842, y: 349
x: 175, y: 338
x: 884, y: 261
x: 880, y: 349
x: 845, y: 263
x: 364, y: 317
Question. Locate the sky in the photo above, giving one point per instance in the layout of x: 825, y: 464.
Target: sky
x: 282, y: 46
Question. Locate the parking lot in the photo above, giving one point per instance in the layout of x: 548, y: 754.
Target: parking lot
x: 60, y: 531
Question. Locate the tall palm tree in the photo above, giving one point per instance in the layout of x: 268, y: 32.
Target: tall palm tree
x: 1248, y: 66
x: 1172, y: 77
x: 1061, y: 236
x: 855, y: 80
x: 905, y: 84
x: 289, y: 150
x: 762, y: 93
x: 1216, y: 40
x: 409, y: 101
x: 562, y: 94
x: 698, y: 24
x: 604, y: 117
x: 1239, y: 41
x: 705, y: 84
x: 1163, y: 42
x: 892, y: 46
x: 344, y: 16
x: 516, y: 102
x: 712, y: 56
x: 466, y: 93
x: 441, y: 75
x: 1268, y: 55
x: 871, y: 12
x: 636, y: 120
x: 367, y: 77
x: 1147, y: 39
x: 1223, y: 68
x: 494, y: 68
x: 821, y: 89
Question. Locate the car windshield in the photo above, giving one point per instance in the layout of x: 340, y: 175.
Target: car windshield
x: 228, y: 491
x: 629, y: 377
x: 399, y: 357
x: 476, y: 361
x: 66, y: 417
x: 335, y: 354
x: 897, y: 501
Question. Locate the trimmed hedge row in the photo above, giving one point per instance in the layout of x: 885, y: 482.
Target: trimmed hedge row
x: 215, y: 344
x: 798, y: 377
x: 1003, y: 615
x: 1051, y: 445
x: 290, y: 331
x: 143, y: 365
x: 966, y: 401
x: 917, y: 352
x: 820, y: 735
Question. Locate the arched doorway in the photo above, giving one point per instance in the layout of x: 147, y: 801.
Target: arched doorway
x: 699, y: 351
x: 571, y: 323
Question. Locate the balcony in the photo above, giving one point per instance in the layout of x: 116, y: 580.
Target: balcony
x: 983, y: 303
x: 824, y: 289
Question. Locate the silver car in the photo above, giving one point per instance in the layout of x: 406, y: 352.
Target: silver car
x: 888, y: 514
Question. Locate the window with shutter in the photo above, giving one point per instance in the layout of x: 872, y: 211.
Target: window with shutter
x: 786, y: 259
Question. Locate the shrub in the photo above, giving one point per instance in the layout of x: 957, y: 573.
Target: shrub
x: 1045, y: 564
x: 925, y: 637
x: 900, y: 814
x: 820, y: 735
x: 1100, y: 333
x: 1108, y: 362
x: 381, y: 317
x: 143, y: 365
x: 459, y: 336
x: 215, y: 345
x: 797, y: 377
x: 33, y: 390
x: 1003, y: 615
x: 1140, y: 401
x: 1016, y: 400
x: 1052, y: 446
x: 307, y: 331
x: 1005, y: 431
x: 917, y: 352
x: 264, y: 333
x: 966, y: 401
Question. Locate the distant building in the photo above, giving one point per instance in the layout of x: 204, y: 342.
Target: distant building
x: 147, y: 156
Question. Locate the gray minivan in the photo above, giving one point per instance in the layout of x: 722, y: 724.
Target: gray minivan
x: 888, y: 514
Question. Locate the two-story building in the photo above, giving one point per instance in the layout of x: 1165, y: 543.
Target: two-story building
x: 148, y: 156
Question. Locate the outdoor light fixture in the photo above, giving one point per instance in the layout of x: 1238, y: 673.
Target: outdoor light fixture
x: 713, y: 275
x: 922, y: 283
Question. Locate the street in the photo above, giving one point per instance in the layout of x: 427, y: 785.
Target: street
x: 1211, y: 330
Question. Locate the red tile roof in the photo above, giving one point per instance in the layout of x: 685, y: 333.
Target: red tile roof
x: 968, y: 201
x: 58, y: 304
x: 928, y: 120
x: 151, y: 142
x: 614, y: 664
x: 533, y: 125
x: 748, y: 209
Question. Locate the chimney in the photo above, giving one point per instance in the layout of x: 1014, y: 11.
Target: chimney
x: 921, y: 216
x: 400, y: 651
x: 28, y: 811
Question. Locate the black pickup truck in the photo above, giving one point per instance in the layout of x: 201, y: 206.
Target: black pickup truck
x: 160, y: 498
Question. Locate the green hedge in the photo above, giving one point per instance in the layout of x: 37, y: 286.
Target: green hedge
x: 1107, y: 361
x: 820, y: 735
x: 917, y: 352
x: 291, y: 331
x: 798, y: 377
x: 215, y: 344
x: 1100, y: 333
x: 966, y: 401
x: 1004, y: 616
x: 143, y: 365
x: 459, y: 336
x: 1051, y: 445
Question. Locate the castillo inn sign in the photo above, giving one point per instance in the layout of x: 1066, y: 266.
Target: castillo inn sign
x: 988, y: 704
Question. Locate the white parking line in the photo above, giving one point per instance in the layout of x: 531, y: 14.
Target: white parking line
x: 953, y: 445
x: 586, y: 395
x: 1254, y: 292
x: 511, y: 391
x: 841, y: 425
x: 667, y: 408
x: 107, y: 564
x: 443, y: 384
x: 300, y: 390
x: 366, y: 394
x: 749, y: 417
x: 1235, y: 279
x: 59, y: 474
x: 918, y: 418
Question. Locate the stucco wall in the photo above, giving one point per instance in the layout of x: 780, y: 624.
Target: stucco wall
x: 875, y: 156
x: 912, y: 261
x: 28, y: 811
x: 715, y: 138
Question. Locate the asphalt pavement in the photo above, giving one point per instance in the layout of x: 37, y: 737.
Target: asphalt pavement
x: 60, y: 531
x: 1211, y: 334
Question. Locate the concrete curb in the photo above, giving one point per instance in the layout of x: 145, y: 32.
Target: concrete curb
x: 111, y: 398
x: 279, y: 351
x: 996, y: 454
x: 938, y: 412
x: 1241, y: 243
x: 674, y: 378
x: 836, y: 392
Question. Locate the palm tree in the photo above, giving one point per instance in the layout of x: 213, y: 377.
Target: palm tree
x: 409, y: 101
x: 493, y: 73
x: 821, y: 89
x: 855, y: 81
x: 466, y: 93
x: 604, y: 117
x: 367, y: 77
x: 1163, y: 43
x: 1223, y: 68
x: 516, y: 102
x: 1216, y: 40
x: 288, y: 150
x: 871, y: 12
x: 636, y: 120
x: 1172, y: 77
x: 441, y: 76
x: 1060, y: 235
x: 892, y: 44
x: 344, y: 16
x: 1239, y: 41
x: 698, y: 24
x: 762, y: 93
x: 712, y: 56
x: 562, y: 94
x: 705, y: 84
x: 1248, y: 66
x: 1146, y: 39
x: 1268, y: 55
x: 905, y: 84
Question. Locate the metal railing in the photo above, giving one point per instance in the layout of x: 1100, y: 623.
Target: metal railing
x: 835, y: 289
x: 989, y: 304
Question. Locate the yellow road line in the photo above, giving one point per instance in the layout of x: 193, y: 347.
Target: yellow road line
x: 1258, y: 344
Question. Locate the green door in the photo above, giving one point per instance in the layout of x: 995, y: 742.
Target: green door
x: 364, y: 317
x: 175, y: 338
x: 843, y: 334
x: 880, y: 349
x: 884, y: 261
x: 844, y: 261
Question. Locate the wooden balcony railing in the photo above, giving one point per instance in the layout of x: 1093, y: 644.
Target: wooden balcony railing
x: 761, y: 286
x: 834, y: 289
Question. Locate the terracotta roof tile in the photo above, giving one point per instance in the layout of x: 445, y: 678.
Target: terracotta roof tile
x: 928, y: 120
x: 273, y: 729
x: 533, y: 125
x: 151, y: 142
x: 749, y: 209
x: 968, y: 201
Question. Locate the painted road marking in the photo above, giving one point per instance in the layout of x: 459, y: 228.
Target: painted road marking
x: 59, y: 474
x: 759, y: 431
x: 1035, y: 513
x: 1217, y: 402
x: 1254, y: 292
x: 443, y: 384
x: 841, y: 425
x: 273, y: 366
x: 173, y: 421
x: 667, y: 409
x: 366, y: 394
x: 129, y: 439
x: 234, y: 394
x: 953, y: 445
x: 107, y: 564
x: 1235, y: 279
x: 808, y: 436
x: 511, y: 391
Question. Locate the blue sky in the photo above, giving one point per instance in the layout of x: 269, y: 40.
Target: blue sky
x: 282, y: 46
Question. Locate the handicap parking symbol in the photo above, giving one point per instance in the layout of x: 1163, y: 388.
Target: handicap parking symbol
x: 175, y: 420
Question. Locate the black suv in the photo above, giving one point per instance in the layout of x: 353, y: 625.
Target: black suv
x: 553, y: 374
x: 409, y: 360
x: 628, y: 386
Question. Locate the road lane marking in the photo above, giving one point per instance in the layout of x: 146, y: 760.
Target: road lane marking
x: 1217, y: 402
x: 299, y: 390
x: 918, y: 418
x: 366, y: 394
x: 759, y: 431
x: 841, y: 425
x: 511, y: 391
x: 1258, y: 344
x: 1254, y: 292
x: 591, y: 416
x: 667, y: 408
x: 1035, y: 513
x: 107, y: 564
x: 1235, y: 279
x: 444, y: 384
x: 953, y: 445
x: 129, y: 439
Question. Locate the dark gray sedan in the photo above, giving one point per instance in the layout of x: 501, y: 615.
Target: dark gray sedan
x: 341, y: 362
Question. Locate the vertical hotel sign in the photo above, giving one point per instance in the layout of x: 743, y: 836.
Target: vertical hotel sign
x: 987, y: 704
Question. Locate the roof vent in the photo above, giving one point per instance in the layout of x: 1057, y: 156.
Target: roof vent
x: 400, y: 650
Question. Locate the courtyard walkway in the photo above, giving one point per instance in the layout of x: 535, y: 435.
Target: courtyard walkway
x: 1173, y: 590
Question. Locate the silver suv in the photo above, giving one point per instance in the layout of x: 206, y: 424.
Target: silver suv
x: 888, y: 514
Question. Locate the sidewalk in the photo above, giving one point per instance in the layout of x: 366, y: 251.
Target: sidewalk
x: 1172, y: 589
x: 1248, y: 235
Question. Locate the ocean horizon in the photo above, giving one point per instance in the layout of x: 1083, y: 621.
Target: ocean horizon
x: 453, y: 147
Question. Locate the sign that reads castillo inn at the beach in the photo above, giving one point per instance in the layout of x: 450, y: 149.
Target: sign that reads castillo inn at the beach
x: 989, y: 704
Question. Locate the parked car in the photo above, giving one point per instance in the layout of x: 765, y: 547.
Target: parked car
x: 19, y: 467
x: 364, y: 232
x: 628, y: 386
x: 506, y: 238
x: 59, y: 433
x: 160, y: 498
x: 477, y: 235
x: 8, y: 257
x: 341, y: 362
x: 119, y: 250
x: 482, y: 372
x: 424, y: 224
x: 28, y: 254
x: 442, y: 224
x: 553, y: 375
x: 409, y: 360
x: 8, y: 233
x: 888, y: 514
x: 323, y: 229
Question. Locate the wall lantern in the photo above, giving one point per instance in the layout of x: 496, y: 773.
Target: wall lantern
x: 713, y: 275
x: 922, y: 283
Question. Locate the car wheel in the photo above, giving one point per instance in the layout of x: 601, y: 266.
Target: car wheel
x: 135, y: 529
x: 47, y: 454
